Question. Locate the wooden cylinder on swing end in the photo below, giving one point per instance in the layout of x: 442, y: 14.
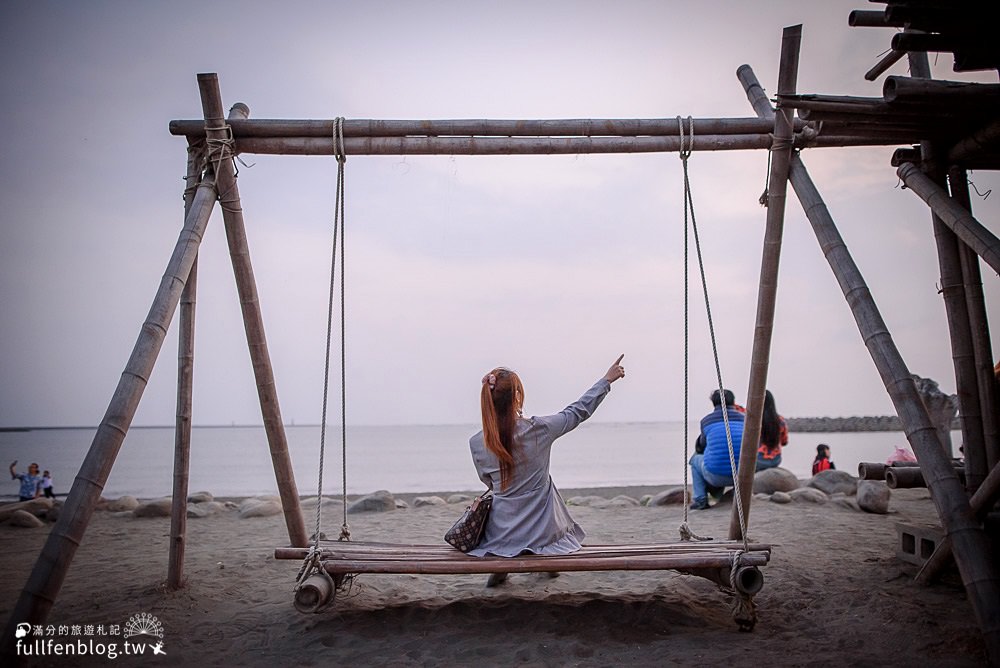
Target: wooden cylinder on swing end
x: 314, y: 594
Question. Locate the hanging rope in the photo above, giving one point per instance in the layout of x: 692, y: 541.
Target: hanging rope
x: 685, y: 152
x: 313, y: 559
x: 685, y: 530
x: 341, y: 155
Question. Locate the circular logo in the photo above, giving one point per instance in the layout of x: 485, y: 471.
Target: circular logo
x: 143, y: 624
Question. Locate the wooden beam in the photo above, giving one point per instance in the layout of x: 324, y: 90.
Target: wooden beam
x: 577, y: 127
x: 185, y: 384
x: 781, y: 152
x: 496, y: 145
x: 956, y: 217
x: 221, y: 161
x: 57, y: 554
x: 538, y: 145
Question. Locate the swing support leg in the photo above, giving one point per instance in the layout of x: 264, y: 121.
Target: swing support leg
x: 781, y: 152
x: 185, y: 382
x: 232, y: 213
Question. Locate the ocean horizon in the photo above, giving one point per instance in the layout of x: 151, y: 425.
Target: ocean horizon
x: 235, y: 460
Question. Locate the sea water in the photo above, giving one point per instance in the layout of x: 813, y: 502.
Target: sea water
x: 235, y: 461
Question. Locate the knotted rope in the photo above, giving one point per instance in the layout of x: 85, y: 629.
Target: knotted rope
x: 744, y: 609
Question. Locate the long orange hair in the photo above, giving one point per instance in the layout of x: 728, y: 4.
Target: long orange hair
x: 501, y: 400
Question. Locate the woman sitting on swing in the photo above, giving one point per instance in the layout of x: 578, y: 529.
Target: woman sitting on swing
x: 511, y: 455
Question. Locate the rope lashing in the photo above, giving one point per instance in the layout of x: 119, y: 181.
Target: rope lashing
x: 767, y: 178
x: 193, y: 181
x: 220, y: 149
x: 689, y: 208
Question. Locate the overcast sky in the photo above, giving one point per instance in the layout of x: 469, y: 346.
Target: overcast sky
x: 552, y: 265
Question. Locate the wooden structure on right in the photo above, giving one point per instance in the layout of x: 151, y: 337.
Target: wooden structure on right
x: 953, y: 127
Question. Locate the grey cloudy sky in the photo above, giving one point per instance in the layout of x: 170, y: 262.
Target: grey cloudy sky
x: 549, y: 264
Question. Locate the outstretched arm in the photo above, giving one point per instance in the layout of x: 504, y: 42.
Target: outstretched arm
x: 12, y: 474
x: 571, y: 416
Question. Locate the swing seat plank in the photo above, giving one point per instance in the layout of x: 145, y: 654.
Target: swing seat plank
x: 363, y: 557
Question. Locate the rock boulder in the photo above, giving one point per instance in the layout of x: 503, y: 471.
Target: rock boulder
x: 873, y: 496
x: 379, y: 502
x: 774, y: 480
x: 833, y: 481
x: 24, y: 519
x: 155, y: 508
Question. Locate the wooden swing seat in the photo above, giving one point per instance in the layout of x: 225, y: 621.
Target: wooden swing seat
x: 349, y: 557
x: 713, y: 560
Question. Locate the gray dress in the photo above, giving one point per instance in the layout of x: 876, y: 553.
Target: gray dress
x: 530, y: 516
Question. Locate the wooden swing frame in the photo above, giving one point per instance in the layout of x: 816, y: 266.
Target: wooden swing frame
x: 846, y: 122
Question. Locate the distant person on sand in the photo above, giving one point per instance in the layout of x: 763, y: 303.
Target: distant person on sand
x: 773, y: 435
x: 47, y: 486
x: 822, y: 461
x: 31, y: 482
x: 712, y: 469
x: 511, y: 455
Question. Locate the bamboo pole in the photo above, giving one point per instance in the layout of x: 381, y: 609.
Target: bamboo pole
x: 882, y: 66
x: 924, y: 42
x: 456, y: 563
x: 981, y: 502
x: 239, y: 252
x: 952, y: 289
x: 866, y: 18
x: 781, y: 152
x: 495, y: 145
x: 50, y: 569
x: 185, y: 382
x: 543, y: 145
x: 962, y: 354
x: 910, y: 90
x: 956, y: 217
x: 904, y: 477
x: 980, y: 330
x: 980, y: 573
x: 871, y: 470
x: 872, y: 106
x: 573, y: 127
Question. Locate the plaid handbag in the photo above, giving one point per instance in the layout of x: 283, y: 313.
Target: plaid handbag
x: 468, y: 530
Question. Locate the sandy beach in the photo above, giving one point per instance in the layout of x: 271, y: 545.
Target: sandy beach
x: 835, y: 594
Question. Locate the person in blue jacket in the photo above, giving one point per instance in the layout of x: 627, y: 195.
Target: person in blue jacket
x: 711, y: 470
